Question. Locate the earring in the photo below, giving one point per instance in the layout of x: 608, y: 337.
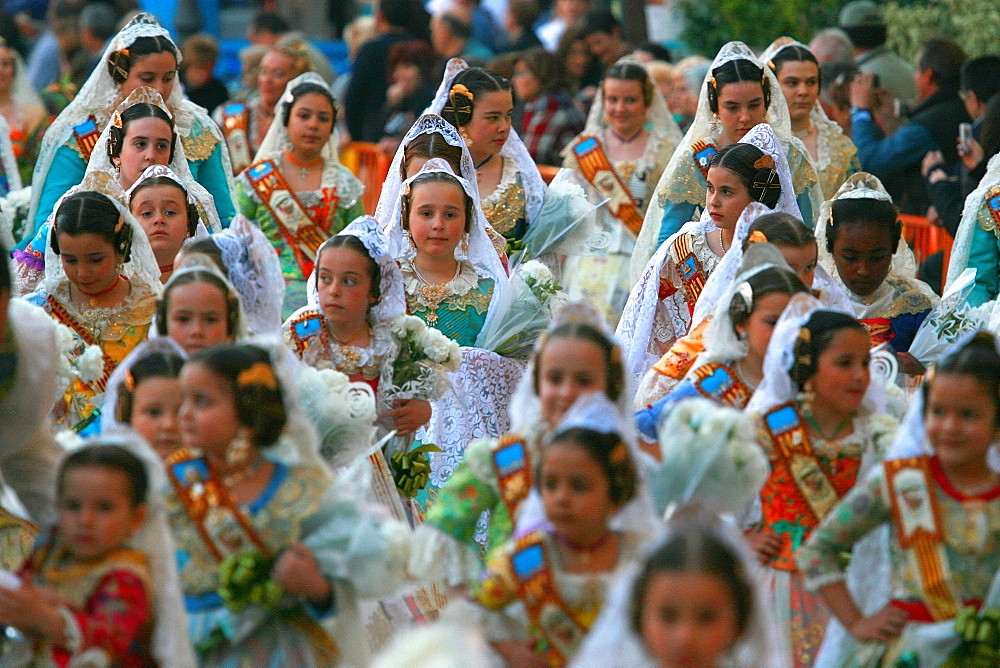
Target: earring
x: 806, y: 397
x: 465, y: 137
x: 238, y: 450
x: 465, y: 244
x: 715, y: 125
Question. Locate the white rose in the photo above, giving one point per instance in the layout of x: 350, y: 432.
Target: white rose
x: 536, y: 270
x: 90, y: 365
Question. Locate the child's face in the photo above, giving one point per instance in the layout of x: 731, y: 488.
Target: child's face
x: 95, y: 512
x: 146, y: 143
x: 863, y: 255
x: 162, y: 212
x: 437, y: 218
x: 89, y: 261
x: 802, y: 260
x: 344, y: 285
x: 575, y: 492
x: 760, y: 325
x: 208, y: 410
x: 960, y: 417
x: 567, y: 368
x: 725, y: 198
x: 688, y: 619
x: 842, y: 375
x: 310, y: 123
x: 196, y: 316
x: 490, y: 123
x: 156, y: 402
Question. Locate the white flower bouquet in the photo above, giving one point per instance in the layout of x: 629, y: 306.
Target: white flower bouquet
x: 531, y: 297
x: 425, y: 357
x: 342, y: 411
x: 710, y: 458
x: 951, y: 318
x: 77, y: 359
x: 14, y: 208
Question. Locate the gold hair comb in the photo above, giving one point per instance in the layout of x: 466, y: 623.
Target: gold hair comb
x: 258, y: 374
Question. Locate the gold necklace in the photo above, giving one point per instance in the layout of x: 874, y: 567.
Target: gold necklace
x: 434, y: 293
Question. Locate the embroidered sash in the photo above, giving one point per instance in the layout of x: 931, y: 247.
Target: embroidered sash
x: 879, y: 330
x: 597, y: 169
x: 917, y: 517
x: 677, y: 361
x: 60, y: 313
x: 561, y: 627
x: 302, y: 328
x: 689, y: 269
x: 235, y: 128
x: 718, y: 383
x: 703, y: 152
x: 298, y: 228
x: 86, y: 135
x: 512, y: 463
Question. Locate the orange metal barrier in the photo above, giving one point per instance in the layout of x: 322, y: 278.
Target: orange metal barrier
x: 370, y: 165
x: 926, y: 239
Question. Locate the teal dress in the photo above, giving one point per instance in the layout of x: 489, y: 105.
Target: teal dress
x: 984, y: 249
x: 458, y: 309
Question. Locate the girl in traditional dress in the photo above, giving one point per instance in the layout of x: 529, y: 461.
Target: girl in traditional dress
x: 101, y: 588
x: 622, y: 151
x: 821, y: 427
x: 199, y: 308
x: 479, y: 104
x: 141, y: 134
x: 738, y: 94
x: 860, y: 241
x: 661, y: 306
x: 101, y: 281
x: 937, y: 494
x: 732, y: 363
x: 22, y: 109
x: 272, y: 551
x: 576, y: 355
x: 141, y: 54
x: 296, y: 190
x: 587, y: 528
x: 167, y: 213
x: 797, y: 70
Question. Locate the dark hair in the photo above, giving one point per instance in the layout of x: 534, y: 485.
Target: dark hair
x: 863, y: 211
x: 5, y: 280
x: 191, y: 208
x: 657, y: 51
x: 301, y: 91
x: 610, y: 452
x: 989, y: 129
x: 602, y: 21
x: 977, y: 358
x: 765, y: 282
x: 112, y: 457
x: 835, y: 81
x: 140, y: 110
x: 981, y: 76
x: 434, y: 177
x: 100, y: 19
x: 120, y: 62
x: 781, y: 229
x: 742, y: 159
x: 944, y: 58
x: 581, y: 331
x: 632, y: 72
x: 355, y: 244
x: 736, y: 71
x: 794, y: 53
x: 457, y: 26
x: 156, y: 364
x: 459, y: 107
x: 206, y: 246
x: 867, y: 37
x: 431, y: 145
x: 822, y: 326
x: 269, y: 21
x: 259, y: 406
x: 412, y: 52
x: 197, y: 275
x: 94, y: 213
x: 545, y: 67
x: 694, y: 547
x: 395, y: 12
x: 524, y: 12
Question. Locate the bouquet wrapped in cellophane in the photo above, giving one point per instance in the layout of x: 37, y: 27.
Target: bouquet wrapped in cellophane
x: 342, y: 411
x: 951, y: 318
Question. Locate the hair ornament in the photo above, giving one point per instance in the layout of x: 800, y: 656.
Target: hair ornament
x: 116, y: 119
x: 803, y: 348
x: 765, y: 162
x: 129, y: 381
x: 120, y: 224
x: 125, y: 52
x: 461, y: 90
x: 746, y: 293
x: 260, y: 373
x: 757, y: 237
x: 770, y: 64
x: 711, y: 80
x: 459, y: 104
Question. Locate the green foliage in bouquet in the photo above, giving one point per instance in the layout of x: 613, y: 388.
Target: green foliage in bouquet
x: 980, y: 636
x: 245, y: 578
x: 411, y: 471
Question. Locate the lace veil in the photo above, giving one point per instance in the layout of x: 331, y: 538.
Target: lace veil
x: 514, y: 149
x: 475, y: 248
x: 202, y: 262
x: 276, y: 141
x: 141, y: 266
x: 962, y: 246
x: 154, y: 171
x: 179, y: 168
x: 100, y: 95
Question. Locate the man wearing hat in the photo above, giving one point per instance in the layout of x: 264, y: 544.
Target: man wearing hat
x: 864, y: 23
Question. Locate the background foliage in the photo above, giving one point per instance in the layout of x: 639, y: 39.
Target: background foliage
x: 972, y: 23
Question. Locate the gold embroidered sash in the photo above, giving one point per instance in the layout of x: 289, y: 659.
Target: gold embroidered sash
x: 689, y: 269
x: 512, y: 464
x: 718, y: 383
x: 597, y: 169
x: 60, y: 313
x: 235, y: 128
x: 703, y: 152
x: 917, y: 517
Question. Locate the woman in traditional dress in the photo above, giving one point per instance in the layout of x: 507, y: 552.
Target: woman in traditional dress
x: 738, y: 94
x: 244, y: 124
x: 101, y: 282
x: 22, y: 108
x: 296, y: 190
x: 142, y: 54
x: 479, y: 104
x: 628, y: 139
x: 977, y: 241
x: 833, y: 153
